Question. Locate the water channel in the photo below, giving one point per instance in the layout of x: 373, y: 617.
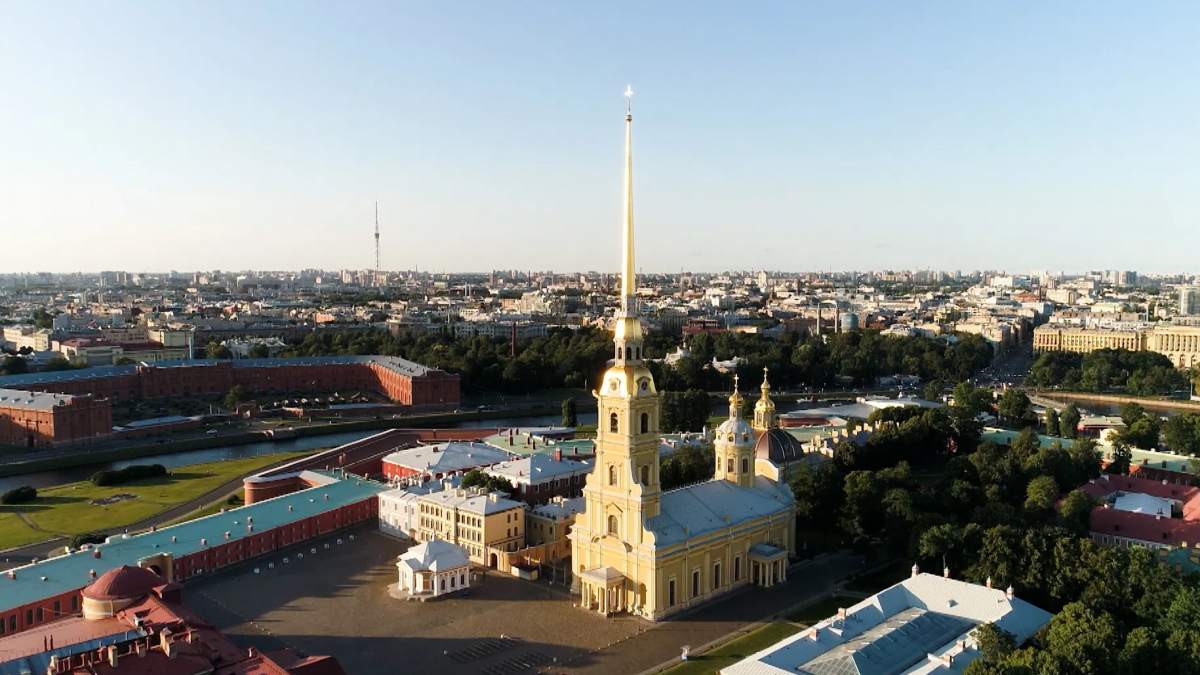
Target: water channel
x: 44, y: 479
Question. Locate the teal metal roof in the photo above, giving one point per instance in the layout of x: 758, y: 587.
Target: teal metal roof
x: 70, y: 572
x: 1006, y: 437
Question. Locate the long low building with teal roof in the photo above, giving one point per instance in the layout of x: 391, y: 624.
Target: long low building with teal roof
x: 43, y: 591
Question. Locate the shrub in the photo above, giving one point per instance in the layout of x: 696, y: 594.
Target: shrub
x: 132, y: 472
x: 85, y: 538
x: 19, y: 495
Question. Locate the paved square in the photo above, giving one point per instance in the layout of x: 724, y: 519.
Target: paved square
x: 336, y: 602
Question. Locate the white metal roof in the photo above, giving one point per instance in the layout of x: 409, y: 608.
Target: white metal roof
x: 903, y: 630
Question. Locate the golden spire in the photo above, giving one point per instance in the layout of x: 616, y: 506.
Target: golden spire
x: 628, y: 278
x: 735, y: 400
x: 764, y: 410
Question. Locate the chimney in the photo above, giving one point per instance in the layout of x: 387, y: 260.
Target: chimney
x: 815, y: 634
x: 841, y: 612
x: 251, y: 653
x: 989, y: 582
x: 249, y: 519
x: 947, y: 660
x: 12, y: 574
x: 945, y: 572
x: 1010, y: 594
x: 140, y: 648
x: 96, y: 553
x: 915, y: 571
x: 249, y: 528
x: 1158, y: 516
x: 91, y: 574
x: 961, y: 644
x: 112, y: 656
x: 558, y: 455
x: 226, y: 535
x: 204, y: 542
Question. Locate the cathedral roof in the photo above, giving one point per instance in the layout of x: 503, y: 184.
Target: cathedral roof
x: 778, y: 446
x: 696, y: 510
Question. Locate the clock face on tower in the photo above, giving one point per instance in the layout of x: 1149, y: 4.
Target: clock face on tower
x: 644, y: 384
x: 614, y: 383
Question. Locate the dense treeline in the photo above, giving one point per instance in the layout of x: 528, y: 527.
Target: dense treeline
x: 992, y: 514
x: 816, y: 361
x: 1139, y: 373
x: 576, y: 358
x: 565, y: 358
x: 19, y: 495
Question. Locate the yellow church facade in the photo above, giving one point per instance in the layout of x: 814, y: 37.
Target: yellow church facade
x: 651, y: 553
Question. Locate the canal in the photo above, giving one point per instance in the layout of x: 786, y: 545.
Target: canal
x: 44, y: 479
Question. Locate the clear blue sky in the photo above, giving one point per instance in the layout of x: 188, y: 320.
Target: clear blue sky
x: 790, y: 135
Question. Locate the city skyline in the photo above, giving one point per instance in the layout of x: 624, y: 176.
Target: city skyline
x: 262, y: 139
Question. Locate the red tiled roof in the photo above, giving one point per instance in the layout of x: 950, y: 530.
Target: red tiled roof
x: 1144, y: 527
x: 125, y: 581
x: 1108, y: 484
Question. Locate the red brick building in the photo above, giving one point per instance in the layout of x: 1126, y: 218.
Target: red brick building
x: 89, y: 391
x: 32, y: 419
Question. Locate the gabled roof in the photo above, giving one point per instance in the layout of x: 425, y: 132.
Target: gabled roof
x: 436, y: 555
x: 696, y: 510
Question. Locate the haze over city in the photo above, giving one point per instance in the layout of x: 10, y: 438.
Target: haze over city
x: 784, y: 136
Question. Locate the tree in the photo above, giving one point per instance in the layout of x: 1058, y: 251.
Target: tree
x: 56, y: 364
x: 1052, y: 425
x: 684, y: 411
x: 1082, y: 640
x: 933, y: 391
x: 1014, y: 405
x: 124, y: 361
x: 995, y: 642
x: 216, y: 350
x: 1122, y: 457
x: 478, y: 479
x: 1069, y: 422
x: 237, y: 394
x: 1040, y: 496
x: 259, y: 351
x: 818, y: 493
x: 1131, y: 412
x: 938, y: 542
x: 1076, y: 511
x: 1143, y: 433
x: 569, y: 417
x: 1182, y: 433
x: 14, y: 365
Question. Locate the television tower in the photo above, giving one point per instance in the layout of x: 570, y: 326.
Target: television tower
x: 377, y: 243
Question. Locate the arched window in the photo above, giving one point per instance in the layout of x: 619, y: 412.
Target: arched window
x: 745, y: 465
x: 612, y: 525
x: 645, y: 423
x: 627, y: 354
x: 729, y: 466
x: 646, y: 475
x: 612, y: 475
x: 612, y: 422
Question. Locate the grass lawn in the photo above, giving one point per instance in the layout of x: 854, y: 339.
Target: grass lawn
x: 64, y: 510
x: 821, y: 610
x: 733, y: 651
x: 14, y: 532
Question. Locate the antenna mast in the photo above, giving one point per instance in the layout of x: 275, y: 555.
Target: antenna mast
x: 377, y: 243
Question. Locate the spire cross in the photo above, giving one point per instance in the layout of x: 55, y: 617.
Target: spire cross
x: 629, y: 100
x: 735, y: 382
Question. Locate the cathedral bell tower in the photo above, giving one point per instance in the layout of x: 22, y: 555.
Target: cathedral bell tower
x: 622, y: 490
x: 733, y: 445
x: 764, y: 411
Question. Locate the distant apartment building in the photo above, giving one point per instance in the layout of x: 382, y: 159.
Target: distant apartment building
x: 503, y: 330
x: 1179, y: 343
x: 1189, y: 301
x: 1058, y: 338
x: 27, y: 337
